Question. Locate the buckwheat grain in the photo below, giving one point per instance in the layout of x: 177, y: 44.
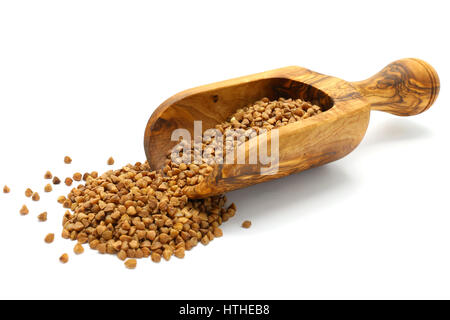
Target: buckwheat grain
x: 24, y: 210
x: 64, y: 258
x: 49, y: 238
x: 42, y: 217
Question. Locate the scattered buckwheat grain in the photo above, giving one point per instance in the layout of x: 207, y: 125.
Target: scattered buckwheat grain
x: 110, y: 161
x: 48, y: 175
x: 6, y: 189
x: 68, y: 181
x: 24, y: 210
x: 67, y: 160
x: 56, y: 180
x: 64, y: 258
x: 48, y: 188
x: 28, y: 193
x: 130, y: 263
x: 77, y: 176
x: 35, y: 197
x: 49, y: 238
x: 78, y: 249
x: 246, y: 224
x: 42, y: 217
x: 67, y: 204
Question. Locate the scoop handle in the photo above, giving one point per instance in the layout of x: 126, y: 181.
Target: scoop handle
x: 405, y: 87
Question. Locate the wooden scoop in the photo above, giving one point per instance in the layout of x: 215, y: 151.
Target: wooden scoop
x: 405, y: 87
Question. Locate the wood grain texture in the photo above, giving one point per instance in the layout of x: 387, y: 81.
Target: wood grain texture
x: 411, y: 87
x: 405, y: 87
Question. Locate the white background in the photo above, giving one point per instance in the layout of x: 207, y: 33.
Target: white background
x: 81, y: 78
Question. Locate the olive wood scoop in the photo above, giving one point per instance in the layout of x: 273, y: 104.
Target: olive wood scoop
x: 405, y: 87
